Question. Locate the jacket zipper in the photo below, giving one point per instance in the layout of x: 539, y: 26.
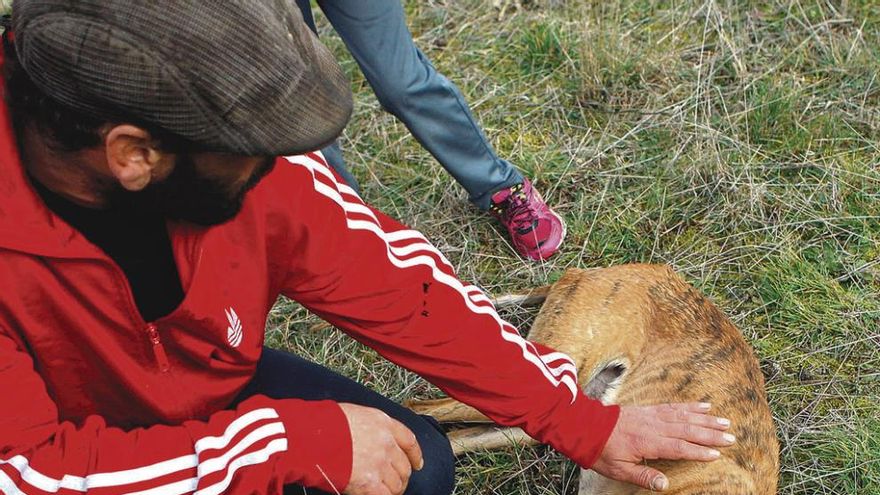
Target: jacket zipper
x: 150, y: 329
x: 158, y: 348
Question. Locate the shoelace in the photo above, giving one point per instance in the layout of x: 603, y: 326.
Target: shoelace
x: 520, y: 211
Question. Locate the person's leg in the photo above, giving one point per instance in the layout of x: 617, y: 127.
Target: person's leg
x: 282, y: 375
x: 408, y: 86
x: 332, y: 153
x: 434, y: 110
x: 305, y: 7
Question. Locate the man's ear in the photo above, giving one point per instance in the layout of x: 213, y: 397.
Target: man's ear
x: 134, y: 158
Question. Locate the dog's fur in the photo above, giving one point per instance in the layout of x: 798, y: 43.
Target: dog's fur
x: 640, y: 335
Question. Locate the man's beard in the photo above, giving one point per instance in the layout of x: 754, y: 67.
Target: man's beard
x: 185, y: 195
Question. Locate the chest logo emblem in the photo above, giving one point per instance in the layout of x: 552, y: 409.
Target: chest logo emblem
x: 234, y: 330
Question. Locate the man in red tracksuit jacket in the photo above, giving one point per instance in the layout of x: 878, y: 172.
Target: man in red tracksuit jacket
x: 146, y: 229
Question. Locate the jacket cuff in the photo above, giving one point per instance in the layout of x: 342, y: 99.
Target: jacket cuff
x: 319, y: 444
x: 583, y: 430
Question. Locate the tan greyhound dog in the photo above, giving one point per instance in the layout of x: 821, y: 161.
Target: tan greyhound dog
x: 640, y: 335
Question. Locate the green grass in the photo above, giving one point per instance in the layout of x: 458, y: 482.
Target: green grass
x: 734, y: 140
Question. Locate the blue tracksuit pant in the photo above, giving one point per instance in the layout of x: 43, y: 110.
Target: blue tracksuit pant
x: 409, y: 87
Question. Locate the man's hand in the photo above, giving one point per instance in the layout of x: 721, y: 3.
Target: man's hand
x: 384, y: 452
x: 669, y: 431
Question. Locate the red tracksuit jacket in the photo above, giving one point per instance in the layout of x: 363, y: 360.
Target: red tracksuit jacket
x: 95, y: 399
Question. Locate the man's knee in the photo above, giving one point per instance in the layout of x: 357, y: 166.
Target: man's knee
x: 437, y: 477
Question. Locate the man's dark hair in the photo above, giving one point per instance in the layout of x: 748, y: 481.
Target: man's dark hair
x: 66, y: 129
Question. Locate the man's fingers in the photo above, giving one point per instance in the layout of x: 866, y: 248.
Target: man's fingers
x: 682, y: 450
x: 645, y: 477
x: 698, y: 434
x: 393, y: 482
x: 407, y: 442
x: 706, y: 421
x: 696, y: 407
x: 401, y: 464
x: 692, y: 413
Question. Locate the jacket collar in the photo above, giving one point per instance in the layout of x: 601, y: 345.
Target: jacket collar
x: 26, y: 224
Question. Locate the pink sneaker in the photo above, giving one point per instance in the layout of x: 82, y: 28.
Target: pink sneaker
x: 536, y: 231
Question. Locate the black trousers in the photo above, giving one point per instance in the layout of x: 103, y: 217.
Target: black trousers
x: 281, y: 375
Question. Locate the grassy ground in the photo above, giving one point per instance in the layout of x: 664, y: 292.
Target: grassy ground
x: 734, y: 140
